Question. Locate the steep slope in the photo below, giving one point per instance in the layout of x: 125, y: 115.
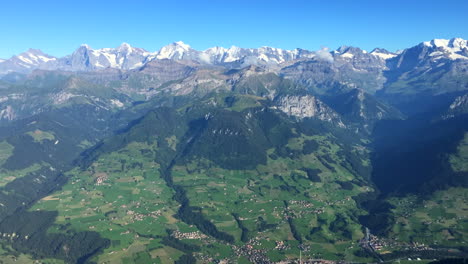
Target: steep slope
x: 263, y: 160
x: 43, y: 91
x: 415, y: 158
x: 307, y: 106
x: 458, y: 107
x: 383, y: 53
x: 85, y: 58
x: 34, y: 154
x: 343, y: 69
x: 237, y: 155
x: 361, y: 109
x: 424, y: 182
x: 431, y: 68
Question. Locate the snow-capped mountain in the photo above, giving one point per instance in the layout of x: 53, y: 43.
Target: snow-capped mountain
x: 426, y: 69
x: 432, y: 53
x: 176, y: 51
x: 383, y: 53
x: 260, y: 56
x: 85, y: 58
x: 453, y: 49
x: 233, y: 55
x: 126, y: 57
x: 82, y: 59
x: 416, y: 71
x: 25, y: 62
x: 348, y: 52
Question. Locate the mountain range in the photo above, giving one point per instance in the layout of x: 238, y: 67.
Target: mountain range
x: 414, y: 72
x: 126, y: 57
x: 234, y: 155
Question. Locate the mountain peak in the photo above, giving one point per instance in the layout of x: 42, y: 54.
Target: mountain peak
x: 177, y: 50
x: 34, y: 51
x: 342, y: 49
x: 25, y: 61
x: 455, y: 48
x: 350, y: 49
x: 127, y: 57
x: 458, y: 43
x: 83, y: 48
x: 440, y: 42
x: 182, y: 44
x: 380, y: 50
x: 446, y: 43
x: 383, y: 53
x: 125, y: 47
x: 216, y: 49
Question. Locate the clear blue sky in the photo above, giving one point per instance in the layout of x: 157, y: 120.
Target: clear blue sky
x: 59, y: 27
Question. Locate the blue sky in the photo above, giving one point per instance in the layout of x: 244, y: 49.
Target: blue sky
x: 59, y: 27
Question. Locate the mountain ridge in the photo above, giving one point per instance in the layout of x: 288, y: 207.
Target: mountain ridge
x: 127, y: 57
x: 245, y: 156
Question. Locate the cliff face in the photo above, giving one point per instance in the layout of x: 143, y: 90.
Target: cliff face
x: 458, y: 107
x: 308, y: 106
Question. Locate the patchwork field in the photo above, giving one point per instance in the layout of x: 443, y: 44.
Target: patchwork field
x: 290, y: 204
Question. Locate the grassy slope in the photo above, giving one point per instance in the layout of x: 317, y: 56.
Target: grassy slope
x: 301, y: 194
x: 132, y: 202
x: 439, y: 219
x: 133, y: 206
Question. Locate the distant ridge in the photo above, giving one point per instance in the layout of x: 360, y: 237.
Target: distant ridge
x: 126, y: 57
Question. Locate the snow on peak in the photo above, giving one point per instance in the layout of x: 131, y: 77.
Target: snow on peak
x: 85, y: 58
x: 383, y: 53
x: 440, y: 42
x: 35, y: 51
x: 26, y: 61
x: 177, y: 50
x: 32, y: 58
x: 455, y: 48
x: 125, y: 46
x: 182, y: 44
x: 127, y: 57
x: 86, y: 46
x: 349, y: 52
x: 341, y: 49
x: 216, y: 50
x: 456, y: 43
x: 234, y: 48
x: 348, y: 55
x: 384, y: 56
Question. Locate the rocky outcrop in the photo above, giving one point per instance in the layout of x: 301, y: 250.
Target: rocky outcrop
x: 7, y: 113
x: 458, y: 107
x: 303, y: 106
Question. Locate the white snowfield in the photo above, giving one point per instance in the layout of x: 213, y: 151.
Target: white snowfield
x: 456, y: 48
